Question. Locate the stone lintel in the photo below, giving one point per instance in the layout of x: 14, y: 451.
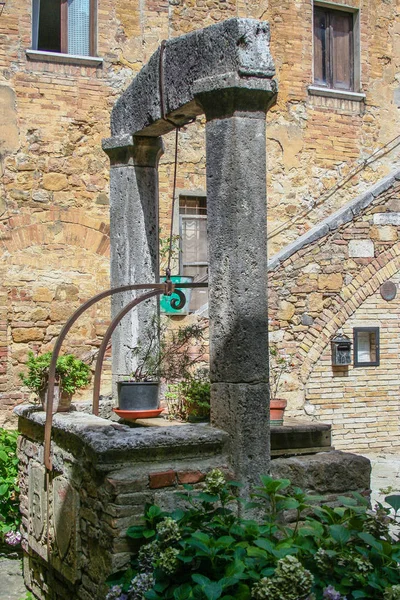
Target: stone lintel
x: 130, y: 150
x: 239, y: 46
x: 107, y: 442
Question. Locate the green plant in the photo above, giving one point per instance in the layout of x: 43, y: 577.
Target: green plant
x: 164, y: 251
x: 71, y: 373
x: 207, y: 552
x: 166, y: 353
x: 9, y: 490
x: 189, y: 400
x: 279, y: 363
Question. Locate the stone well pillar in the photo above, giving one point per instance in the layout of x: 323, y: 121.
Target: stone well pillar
x: 134, y: 232
x: 235, y: 109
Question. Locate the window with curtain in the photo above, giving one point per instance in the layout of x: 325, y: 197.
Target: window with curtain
x: 66, y: 26
x: 193, y: 241
x: 333, y: 48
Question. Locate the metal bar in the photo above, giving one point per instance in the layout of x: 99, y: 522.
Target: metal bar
x: 104, y: 343
x: 167, y: 287
x: 57, y: 348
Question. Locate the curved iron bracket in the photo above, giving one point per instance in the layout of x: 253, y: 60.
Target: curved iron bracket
x: 157, y: 289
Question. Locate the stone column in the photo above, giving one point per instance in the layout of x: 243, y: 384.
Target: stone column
x: 133, y: 234
x: 237, y: 237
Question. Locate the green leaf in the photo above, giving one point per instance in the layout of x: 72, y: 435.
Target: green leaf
x: 3, y: 489
x: 340, y: 534
x: 135, y: 532
x: 213, y: 590
x: 183, y: 592
x: 200, y: 579
x: 153, y: 512
x: 394, y: 501
x: 148, y: 533
x: 3, y: 456
x: 359, y: 594
x: 370, y: 540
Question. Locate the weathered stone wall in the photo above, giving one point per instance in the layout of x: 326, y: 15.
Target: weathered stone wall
x: 54, y: 186
x: 331, y: 283
x: 103, y: 475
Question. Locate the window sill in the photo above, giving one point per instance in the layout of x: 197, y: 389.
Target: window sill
x: 331, y: 93
x: 58, y: 57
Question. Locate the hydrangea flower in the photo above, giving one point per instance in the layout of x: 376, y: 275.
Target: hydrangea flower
x: 142, y: 583
x: 168, y: 561
x: 331, y: 594
x: 392, y: 593
x: 168, y: 531
x: 148, y: 555
x: 115, y: 593
x: 13, y: 538
x: 215, y: 482
x: 290, y: 581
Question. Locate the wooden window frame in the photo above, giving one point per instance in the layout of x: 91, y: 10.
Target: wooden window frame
x: 64, y: 28
x: 356, y: 331
x: 330, y: 7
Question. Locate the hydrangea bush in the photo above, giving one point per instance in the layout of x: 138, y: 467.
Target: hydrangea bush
x: 208, y: 552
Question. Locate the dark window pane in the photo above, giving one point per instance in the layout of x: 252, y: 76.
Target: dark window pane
x: 49, y: 35
x: 342, y: 51
x: 320, y: 42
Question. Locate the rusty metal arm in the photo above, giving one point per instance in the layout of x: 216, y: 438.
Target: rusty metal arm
x: 158, y: 288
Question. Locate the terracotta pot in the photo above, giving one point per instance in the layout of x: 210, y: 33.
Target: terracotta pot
x: 62, y: 404
x: 276, y: 410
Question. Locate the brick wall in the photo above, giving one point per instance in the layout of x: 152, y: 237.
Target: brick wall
x: 54, y: 176
x: 334, y: 283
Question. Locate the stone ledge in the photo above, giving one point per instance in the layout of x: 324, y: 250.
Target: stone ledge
x: 325, y: 473
x: 107, y: 441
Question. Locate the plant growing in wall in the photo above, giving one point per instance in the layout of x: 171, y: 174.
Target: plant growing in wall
x: 71, y: 374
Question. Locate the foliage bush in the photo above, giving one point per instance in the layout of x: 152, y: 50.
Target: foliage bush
x: 71, y: 372
x: 189, y: 400
x: 9, y: 490
x: 208, y: 552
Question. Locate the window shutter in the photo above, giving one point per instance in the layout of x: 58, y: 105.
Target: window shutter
x: 342, y: 50
x: 79, y: 27
x: 320, y: 42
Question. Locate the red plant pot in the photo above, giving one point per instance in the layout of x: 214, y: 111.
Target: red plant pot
x: 276, y: 410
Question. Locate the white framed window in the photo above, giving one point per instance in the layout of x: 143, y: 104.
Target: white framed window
x: 64, y: 26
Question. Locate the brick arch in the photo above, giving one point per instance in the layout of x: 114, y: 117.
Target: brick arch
x: 351, y: 297
x: 72, y: 228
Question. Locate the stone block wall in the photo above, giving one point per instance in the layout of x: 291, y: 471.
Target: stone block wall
x: 333, y: 283
x: 103, y: 475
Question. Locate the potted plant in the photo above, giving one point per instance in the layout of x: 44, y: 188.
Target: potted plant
x: 163, y: 354
x: 279, y: 363
x: 71, y: 374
